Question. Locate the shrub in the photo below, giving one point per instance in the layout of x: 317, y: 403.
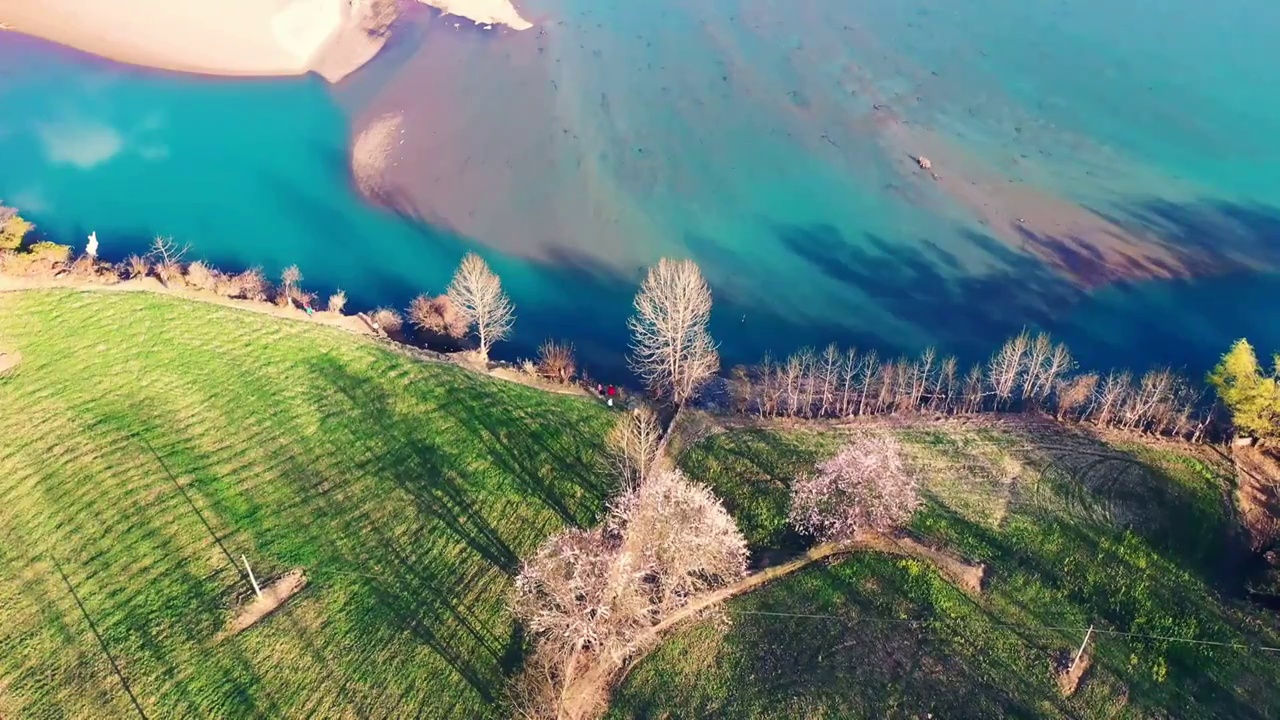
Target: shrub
x: 169, y: 272
x: 387, y: 319
x: 337, y: 301
x: 252, y: 285
x: 41, y: 258
x: 50, y: 252
x: 201, y: 276
x: 556, y: 361
x: 438, y: 315
x: 84, y: 267
x: 137, y: 266
x: 13, y: 228
x: 866, y: 487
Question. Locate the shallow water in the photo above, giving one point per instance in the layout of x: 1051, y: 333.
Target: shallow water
x: 1109, y: 173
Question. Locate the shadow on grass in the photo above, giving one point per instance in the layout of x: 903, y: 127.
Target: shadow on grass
x: 484, y: 481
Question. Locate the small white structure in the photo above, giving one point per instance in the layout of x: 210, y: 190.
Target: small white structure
x: 91, y: 249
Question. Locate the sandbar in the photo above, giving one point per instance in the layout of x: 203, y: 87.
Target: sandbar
x: 227, y: 37
x: 483, y: 12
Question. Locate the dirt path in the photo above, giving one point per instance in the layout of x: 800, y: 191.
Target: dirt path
x: 584, y: 695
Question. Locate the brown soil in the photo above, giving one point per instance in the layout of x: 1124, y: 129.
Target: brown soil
x: 273, y: 596
x: 1258, y: 495
x: 9, y: 361
x: 1069, y: 677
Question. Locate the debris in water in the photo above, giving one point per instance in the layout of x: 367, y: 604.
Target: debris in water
x: 924, y: 163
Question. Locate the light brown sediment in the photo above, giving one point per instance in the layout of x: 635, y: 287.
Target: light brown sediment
x: 372, y: 153
x: 229, y: 37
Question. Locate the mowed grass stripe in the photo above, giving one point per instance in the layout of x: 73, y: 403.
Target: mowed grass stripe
x: 407, y: 492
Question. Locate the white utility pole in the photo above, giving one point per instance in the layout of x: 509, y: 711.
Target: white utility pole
x: 252, y: 579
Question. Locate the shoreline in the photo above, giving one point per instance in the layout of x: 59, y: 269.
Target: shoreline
x: 234, y: 38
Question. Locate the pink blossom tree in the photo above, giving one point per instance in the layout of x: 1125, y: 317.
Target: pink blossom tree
x: 865, y: 488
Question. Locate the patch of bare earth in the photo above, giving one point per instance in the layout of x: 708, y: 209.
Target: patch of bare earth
x: 9, y: 360
x: 273, y: 596
x: 1070, y: 673
x: 1258, y: 495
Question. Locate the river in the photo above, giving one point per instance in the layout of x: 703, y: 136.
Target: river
x: 1106, y: 171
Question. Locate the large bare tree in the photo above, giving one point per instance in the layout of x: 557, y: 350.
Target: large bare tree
x: 671, y: 347
x: 477, y: 293
x: 586, y: 596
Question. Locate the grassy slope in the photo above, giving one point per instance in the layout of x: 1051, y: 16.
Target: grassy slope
x: 1074, y: 532
x: 146, y: 442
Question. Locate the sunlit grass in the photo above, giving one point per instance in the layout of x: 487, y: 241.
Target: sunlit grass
x: 147, y: 442
x: 1074, y: 533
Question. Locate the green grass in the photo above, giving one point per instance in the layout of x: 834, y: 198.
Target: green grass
x: 1074, y: 533
x: 147, y: 442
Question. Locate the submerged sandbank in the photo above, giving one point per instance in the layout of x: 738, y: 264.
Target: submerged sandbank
x: 229, y: 37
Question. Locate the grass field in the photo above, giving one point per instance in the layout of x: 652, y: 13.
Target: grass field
x: 147, y: 442
x: 1075, y: 533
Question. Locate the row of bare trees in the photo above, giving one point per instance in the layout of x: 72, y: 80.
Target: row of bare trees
x: 473, y: 303
x: 1030, y: 372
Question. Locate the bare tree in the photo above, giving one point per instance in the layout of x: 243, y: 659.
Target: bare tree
x: 974, y: 390
x: 771, y: 387
x: 848, y: 382
x: 585, y: 595
x: 945, y: 390
x: 633, y: 445
x: 290, y: 278
x: 1005, y: 369
x: 742, y: 388
x: 792, y: 375
x: 828, y: 379
x: 1060, y: 363
x: 671, y: 347
x: 865, y: 488
x: 922, y: 378
x: 1111, y: 397
x: 870, y: 371
x: 1035, y: 364
x: 477, y: 293
x: 166, y: 258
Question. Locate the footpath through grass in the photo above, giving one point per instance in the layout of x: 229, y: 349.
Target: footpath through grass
x: 147, y: 442
x: 1074, y: 532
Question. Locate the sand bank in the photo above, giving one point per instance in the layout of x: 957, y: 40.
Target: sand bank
x: 483, y: 12
x: 227, y: 37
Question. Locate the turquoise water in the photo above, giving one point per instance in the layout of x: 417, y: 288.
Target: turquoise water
x: 742, y: 133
